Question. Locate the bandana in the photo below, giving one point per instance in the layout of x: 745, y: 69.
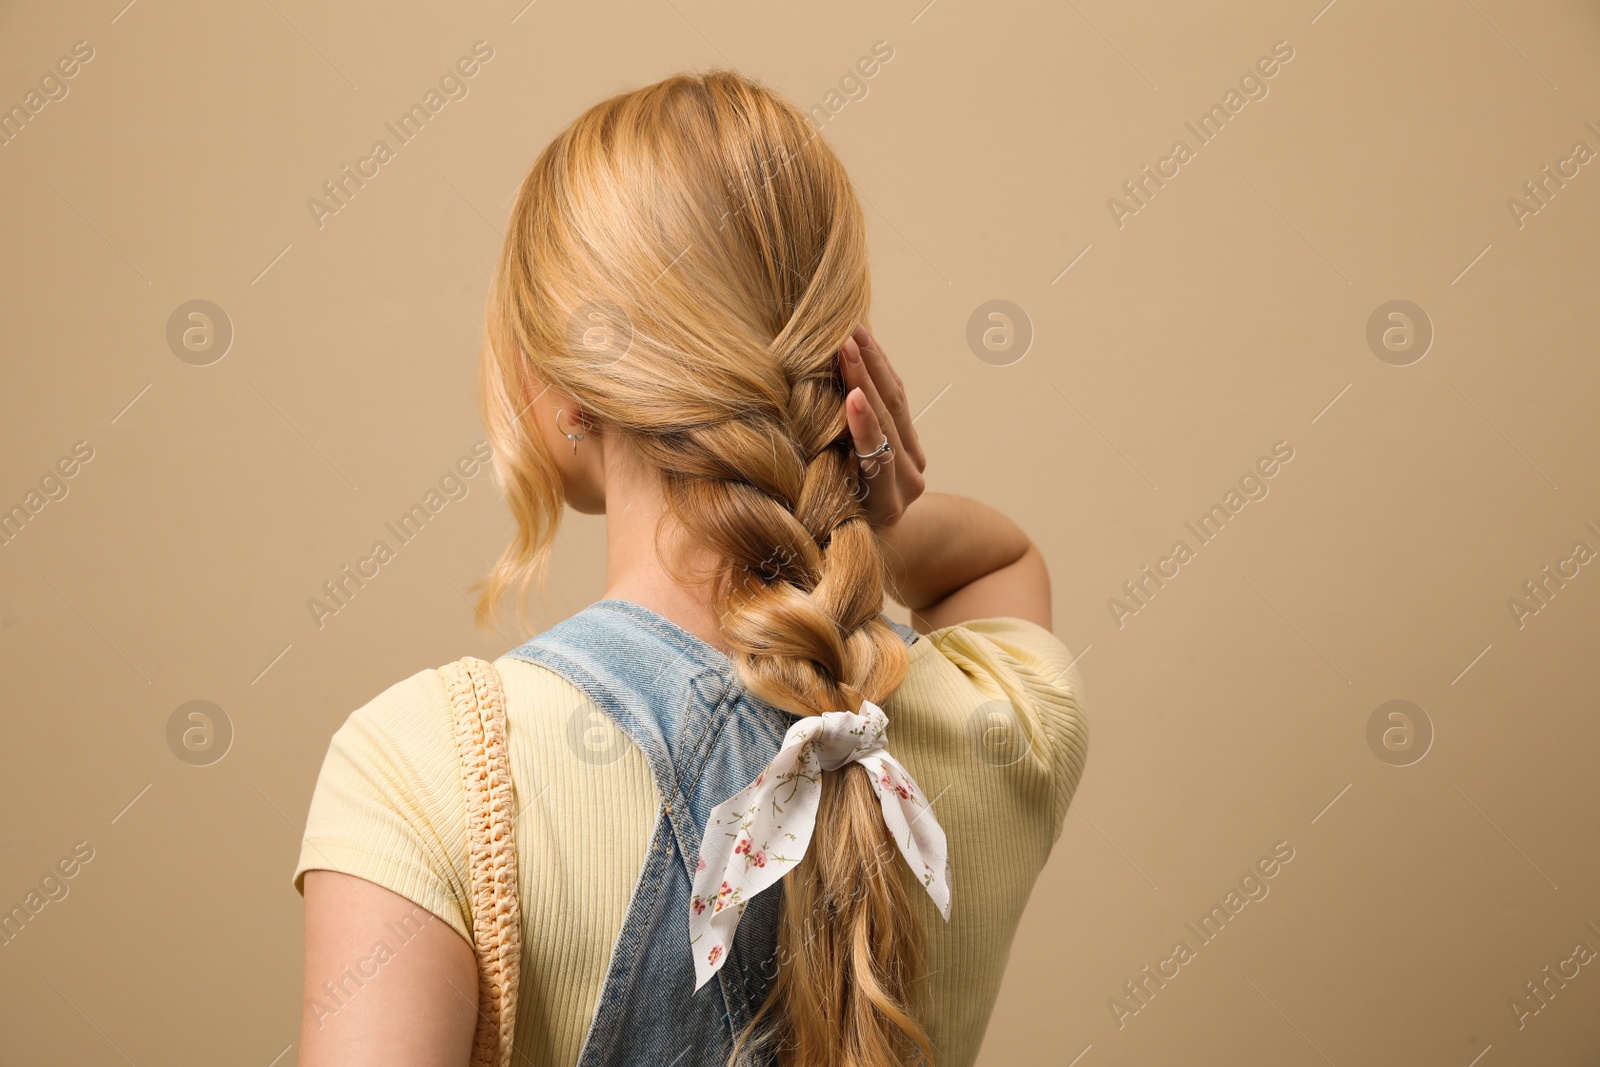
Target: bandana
x: 756, y: 836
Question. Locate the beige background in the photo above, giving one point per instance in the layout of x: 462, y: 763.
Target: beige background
x: 1229, y: 313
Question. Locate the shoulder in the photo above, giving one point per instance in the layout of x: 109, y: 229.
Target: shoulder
x: 1027, y: 696
x: 404, y: 736
x: 533, y: 687
x: 409, y: 731
x: 1019, y: 639
x: 390, y: 801
x: 410, y: 708
x: 1012, y: 653
x: 413, y: 723
x: 563, y: 739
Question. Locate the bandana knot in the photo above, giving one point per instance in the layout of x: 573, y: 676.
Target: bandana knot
x: 756, y: 836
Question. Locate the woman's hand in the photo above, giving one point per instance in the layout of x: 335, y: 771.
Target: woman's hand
x: 875, y: 407
x: 954, y: 559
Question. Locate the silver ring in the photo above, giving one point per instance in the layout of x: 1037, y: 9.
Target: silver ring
x: 884, y: 449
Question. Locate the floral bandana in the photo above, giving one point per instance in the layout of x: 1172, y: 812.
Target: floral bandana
x: 757, y: 835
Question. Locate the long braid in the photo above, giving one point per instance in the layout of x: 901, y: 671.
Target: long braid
x: 799, y: 597
x: 707, y: 210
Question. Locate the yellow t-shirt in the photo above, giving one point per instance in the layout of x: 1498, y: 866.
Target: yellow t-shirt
x: 990, y: 722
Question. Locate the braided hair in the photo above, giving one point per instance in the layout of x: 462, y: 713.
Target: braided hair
x: 684, y: 261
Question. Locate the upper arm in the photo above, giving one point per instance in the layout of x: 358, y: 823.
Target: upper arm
x: 390, y: 972
x: 1019, y: 590
x: 386, y: 982
x: 1038, y: 676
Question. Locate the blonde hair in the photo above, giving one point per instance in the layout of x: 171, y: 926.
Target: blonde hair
x: 684, y: 262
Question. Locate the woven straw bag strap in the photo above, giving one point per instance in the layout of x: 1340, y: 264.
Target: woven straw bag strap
x: 478, y: 704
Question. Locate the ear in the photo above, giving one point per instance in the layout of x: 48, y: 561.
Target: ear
x: 575, y: 418
x: 569, y: 419
x: 532, y: 385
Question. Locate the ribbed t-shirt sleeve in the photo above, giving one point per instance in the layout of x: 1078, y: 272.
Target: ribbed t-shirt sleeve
x: 1038, y: 674
x: 390, y: 804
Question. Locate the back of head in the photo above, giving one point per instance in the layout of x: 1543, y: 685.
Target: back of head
x: 684, y: 261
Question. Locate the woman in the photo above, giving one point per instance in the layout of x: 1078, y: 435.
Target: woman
x: 675, y: 339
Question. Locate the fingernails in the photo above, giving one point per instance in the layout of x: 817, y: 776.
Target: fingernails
x: 851, y: 351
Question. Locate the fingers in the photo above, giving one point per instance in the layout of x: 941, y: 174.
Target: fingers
x: 867, y: 420
x: 865, y: 429
x: 876, y: 487
x: 857, y: 376
x: 893, y: 393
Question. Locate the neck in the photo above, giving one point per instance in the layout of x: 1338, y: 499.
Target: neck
x: 635, y: 506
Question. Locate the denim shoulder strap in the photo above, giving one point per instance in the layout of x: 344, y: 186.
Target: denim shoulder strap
x: 679, y: 699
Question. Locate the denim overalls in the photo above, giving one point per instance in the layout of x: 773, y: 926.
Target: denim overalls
x: 679, y: 699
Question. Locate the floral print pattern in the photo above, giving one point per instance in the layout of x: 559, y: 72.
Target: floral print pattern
x: 737, y: 857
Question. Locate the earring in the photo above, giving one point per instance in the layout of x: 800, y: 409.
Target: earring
x: 573, y: 437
